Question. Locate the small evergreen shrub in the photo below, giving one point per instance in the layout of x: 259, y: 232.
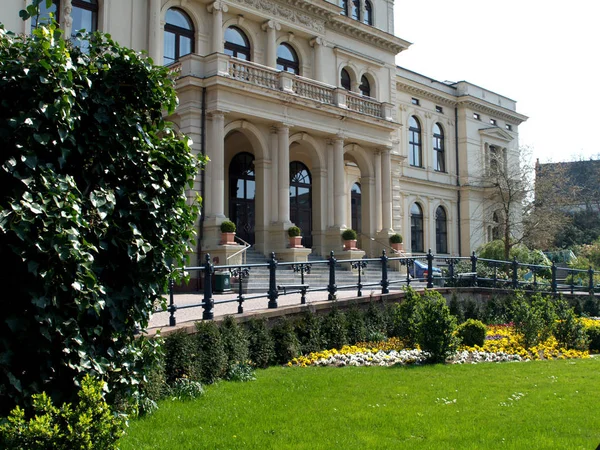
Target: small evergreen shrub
x: 228, y: 227
x: 181, y: 357
x: 396, y: 239
x: 357, y: 331
x: 294, y: 231
x: 308, y: 330
x: 497, y: 310
x: 212, y: 359
x: 471, y: 333
x: 375, y: 320
x: 334, y: 329
x: 534, y: 321
x: 408, y: 317
x: 436, y: 329
x: 186, y: 389
x: 287, y: 346
x: 593, y: 336
x: 88, y: 424
x: 235, y: 342
x: 471, y: 310
x: 568, y: 330
x: 590, y: 307
x: 456, y: 308
x: 260, y: 343
x: 349, y: 235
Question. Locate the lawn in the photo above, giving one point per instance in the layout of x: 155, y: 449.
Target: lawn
x: 527, y: 405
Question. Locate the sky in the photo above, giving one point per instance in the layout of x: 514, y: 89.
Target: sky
x: 543, y: 54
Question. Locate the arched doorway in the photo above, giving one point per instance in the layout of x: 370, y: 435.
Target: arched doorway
x: 301, y: 200
x: 355, y: 205
x: 242, y: 192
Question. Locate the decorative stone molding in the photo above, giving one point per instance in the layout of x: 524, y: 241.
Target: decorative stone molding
x: 217, y: 6
x: 500, y: 112
x: 271, y: 24
x: 368, y: 34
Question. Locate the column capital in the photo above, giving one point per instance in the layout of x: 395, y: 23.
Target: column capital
x: 217, y: 6
x: 271, y: 24
x: 317, y: 40
x: 216, y: 113
x: 385, y: 149
x: 282, y: 127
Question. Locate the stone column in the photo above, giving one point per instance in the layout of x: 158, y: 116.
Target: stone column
x: 330, y: 184
x: 283, y: 175
x: 274, y: 179
x: 339, y: 183
x: 217, y: 9
x: 271, y: 27
x: 215, y: 201
x: 317, y: 44
x: 386, y: 188
x: 377, y: 191
x: 155, y: 35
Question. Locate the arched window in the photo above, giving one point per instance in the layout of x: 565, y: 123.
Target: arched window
x: 344, y: 6
x: 45, y: 13
x: 495, y: 226
x: 355, y: 13
x: 441, y: 231
x: 365, y: 87
x: 439, y: 157
x: 301, y: 200
x: 416, y: 228
x: 179, y: 36
x: 242, y: 194
x: 356, y: 206
x: 345, y: 80
x: 236, y: 44
x: 368, y: 19
x: 287, y: 59
x: 415, y: 156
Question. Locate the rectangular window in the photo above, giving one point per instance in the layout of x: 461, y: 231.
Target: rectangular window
x: 439, y: 109
x: 415, y: 101
x: 509, y: 127
x: 493, y: 122
x: 476, y: 116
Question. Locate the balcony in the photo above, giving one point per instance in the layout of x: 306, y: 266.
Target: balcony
x: 266, y: 77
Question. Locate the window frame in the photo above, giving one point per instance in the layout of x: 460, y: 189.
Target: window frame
x: 365, y: 86
x: 368, y: 16
x: 417, y: 244
x: 415, y: 147
x: 179, y: 32
x: 288, y: 63
x: 237, y: 49
x: 355, y: 10
x: 439, y: 149
x: 441, y: 230
x: 87, y: 6
x: 348, y: 87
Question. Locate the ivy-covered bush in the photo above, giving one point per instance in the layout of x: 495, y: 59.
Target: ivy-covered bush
x: 93, y: 211
x: 471, y: 333
x: 89, y: 424
x: 436, y: 329
x: 260, y: 343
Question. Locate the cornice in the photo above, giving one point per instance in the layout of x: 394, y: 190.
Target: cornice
x: 436, y: 96
x: 497, y: 133
x: 493, y: 110
x: 372, y: 35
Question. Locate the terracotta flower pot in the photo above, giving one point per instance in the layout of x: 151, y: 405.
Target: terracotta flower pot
x: 296, y: 242
x: 227, y: 238
x: 350, y: 245
x: 399, y: 247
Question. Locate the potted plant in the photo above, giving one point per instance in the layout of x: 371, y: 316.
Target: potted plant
x: 295, y: 234
x: 349, y: 236
x: 396, y: 242
x: 227, y: 233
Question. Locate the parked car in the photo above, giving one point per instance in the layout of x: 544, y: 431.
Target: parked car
x: 419, y: 270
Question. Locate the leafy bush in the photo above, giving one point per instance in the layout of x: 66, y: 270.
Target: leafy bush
x: 456, y: 308
x: 228, y: 227
x: 396, y: 239
x: 186, y: 389
x: 89, y: 424
x: 471, y: 310
x: 287, y: 346
x: 357, y: 332
x: 334, y: 329
x: 436, y: 329
x: 593, y: 335
x: 235, y: 342
x: 407, y: 318
x: 212, y: 359
x: 260, y: 343
x: 308, y: 330
x: 375, y: 320
x: 294, y: 231
x: 349, y: 235
x: 471, y: 333
x: 590, y: 306
x: 93, y: 210
x: 241, y: 372
x: 497, y: 310
x: 569, y: 331
x: 533, y: 322
x: 181, y: 357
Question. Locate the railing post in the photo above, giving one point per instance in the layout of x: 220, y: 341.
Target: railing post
x: 331, y: 287
x: 385, y: 283
x: 451, y: 271
x: 474, y: 268
x: 572, y: 281
x: 553, y: 284
x: 495, y: 275
x: 429, y: 270
x: 208, y: 300
x: 409, y: 263
x: 273, y: 293
x: 515, y: 275
x: 591, y: 280
x: 172, y: 307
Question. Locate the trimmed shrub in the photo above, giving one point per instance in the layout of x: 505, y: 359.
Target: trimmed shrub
x: 212, y: 359
x: 235, y: 342
x: 181, y: 357
x: 228, y: 227
x: 89, y: 424
x: 533, y: 322
x: 357, y: 331
x: 471, y: 333
x: 568, y: 330
x: 260, y: 343
x: 396, y: 239
x: 471, y: 310
x: 436, y: 330
x: 287, y: 346
x: 590, y: 307
x: 497, y: 310
x: 349, y: 235
x: 334, y: 329
x: 456, y: 308
x: 294, y: 231
x: 593, y: 335
x: 408, y: 317
x: 375, y: 320
x: 308, y: 330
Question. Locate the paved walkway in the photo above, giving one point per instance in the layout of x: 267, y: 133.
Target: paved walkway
x: 161, y: 319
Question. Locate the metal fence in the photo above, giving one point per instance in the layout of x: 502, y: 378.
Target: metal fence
x: 441, y: 271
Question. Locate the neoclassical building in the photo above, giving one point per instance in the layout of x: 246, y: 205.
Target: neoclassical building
x: 307, y: 120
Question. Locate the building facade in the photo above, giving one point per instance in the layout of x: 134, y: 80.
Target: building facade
x: 307, y: 120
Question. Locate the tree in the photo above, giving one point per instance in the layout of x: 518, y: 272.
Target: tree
x: 93, y: 212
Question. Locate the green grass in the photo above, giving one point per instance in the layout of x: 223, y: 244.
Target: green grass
x: 387, y: 408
